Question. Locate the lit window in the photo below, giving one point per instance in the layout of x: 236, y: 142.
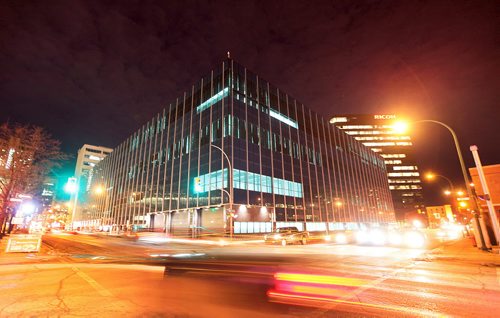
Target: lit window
x: 212, y: 100
x: 247, y: 181
x: 393, y: 155
x: 357, y: 127
x: 379, y: 144
x: 401, y: 187
x: 338, y: 120
x: 405, y: 168
x: 283, y: 119
x: 383, y: 138
x: 403, y: 174
x: 392, y: 162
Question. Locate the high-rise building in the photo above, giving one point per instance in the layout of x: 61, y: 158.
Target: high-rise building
x: 377, y: 133
x: 48, y: 192
x: 235, y: 153
x: 88, y: 157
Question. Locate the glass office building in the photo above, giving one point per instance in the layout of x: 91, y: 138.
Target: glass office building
x: 377, y: 133
x: 235, y: 152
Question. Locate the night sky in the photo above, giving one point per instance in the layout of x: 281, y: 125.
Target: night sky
x: 95, y: 71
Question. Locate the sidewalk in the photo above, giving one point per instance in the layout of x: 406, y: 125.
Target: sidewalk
x: 44, y: 255
x: 463, y: 251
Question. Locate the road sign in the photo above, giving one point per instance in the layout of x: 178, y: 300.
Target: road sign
x: 17, y: 220
x: 24, y: 243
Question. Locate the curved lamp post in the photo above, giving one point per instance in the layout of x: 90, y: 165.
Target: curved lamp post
x: 230, y: 193
x: 432, y: 175
x: 462, y: 166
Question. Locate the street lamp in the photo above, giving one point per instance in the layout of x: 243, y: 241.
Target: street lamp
x: 98, y: 190
x: 230, y: 193
x: 431, y: 176
x: 403, y: 126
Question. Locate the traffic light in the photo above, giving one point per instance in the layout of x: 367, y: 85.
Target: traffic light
x: 197, y: 185
x: 71, y: 186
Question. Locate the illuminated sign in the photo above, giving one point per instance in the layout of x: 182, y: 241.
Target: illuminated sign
x: 24, y: 243
x: 338, y: 120
x: 384, y: 116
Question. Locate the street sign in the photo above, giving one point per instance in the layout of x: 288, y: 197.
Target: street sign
x: 24, y: 243
x: 17, y: 220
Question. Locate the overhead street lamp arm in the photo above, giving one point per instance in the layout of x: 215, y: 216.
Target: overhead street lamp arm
x: 228, y: 194
x: 459, y: 152
x: 452, y: 188
x: 230, y: 173
x: 464, y: 172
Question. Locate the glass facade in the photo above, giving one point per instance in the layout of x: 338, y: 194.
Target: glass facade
x: 235, y: 142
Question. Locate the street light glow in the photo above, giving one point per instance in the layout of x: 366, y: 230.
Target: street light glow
x: 27, y: 208
x: 71, y: 187
x: 98, y: 190
x: 400, y: 127
x: 430, y: 176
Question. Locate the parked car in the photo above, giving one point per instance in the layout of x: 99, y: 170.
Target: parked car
x: 287, y: 235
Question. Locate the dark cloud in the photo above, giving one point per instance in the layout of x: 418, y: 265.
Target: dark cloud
x: 94, y: 71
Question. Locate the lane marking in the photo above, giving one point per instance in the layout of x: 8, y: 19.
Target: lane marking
x: 31, y: 266
x: 100, y: 289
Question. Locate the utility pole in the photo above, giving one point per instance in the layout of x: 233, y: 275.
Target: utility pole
x: 486, y: 191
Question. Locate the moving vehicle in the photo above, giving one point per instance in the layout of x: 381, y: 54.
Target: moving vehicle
x: 287, y: 235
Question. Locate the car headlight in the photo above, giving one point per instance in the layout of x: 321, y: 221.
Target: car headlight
x: 328, y: 238
x: 277, y: 236
x: 340, y: 238
x: 395, y: 239
x: 361, y: 237
x: 377, y: 237
x: 414, y: 239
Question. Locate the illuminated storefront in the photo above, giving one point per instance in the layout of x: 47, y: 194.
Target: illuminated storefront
x: 285, y: 165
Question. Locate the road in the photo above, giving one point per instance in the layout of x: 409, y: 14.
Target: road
x: 89, y: 276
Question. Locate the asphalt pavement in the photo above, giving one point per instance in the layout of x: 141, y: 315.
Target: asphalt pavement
x: 89, y: 276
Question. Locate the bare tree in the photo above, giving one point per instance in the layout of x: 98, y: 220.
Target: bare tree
x: 27, y: 154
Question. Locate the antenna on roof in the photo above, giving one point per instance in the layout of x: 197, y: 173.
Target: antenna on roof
x: 228, y: 54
